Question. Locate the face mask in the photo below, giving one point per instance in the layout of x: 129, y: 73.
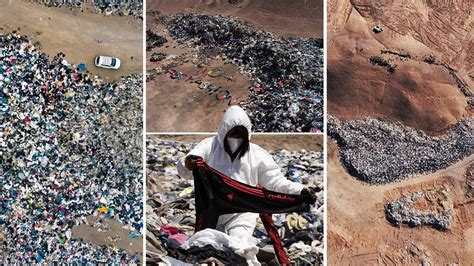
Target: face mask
x: 234, y: 144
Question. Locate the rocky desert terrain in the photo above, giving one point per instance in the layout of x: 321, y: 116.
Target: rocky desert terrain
x: 408, y: 68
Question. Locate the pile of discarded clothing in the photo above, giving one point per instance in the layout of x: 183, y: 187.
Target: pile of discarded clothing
x: 380, y: 152
x: 290, y: 70
x: 402, y: 212
x: 154, y: 40
x: 156, y: 57
x: 170, y: 211
x: 132, y: 8
x: 71, y: 148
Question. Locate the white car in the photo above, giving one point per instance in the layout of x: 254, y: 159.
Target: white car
x: 107, y: 62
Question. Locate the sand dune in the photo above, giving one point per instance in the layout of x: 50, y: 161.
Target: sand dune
x: 418, y: 94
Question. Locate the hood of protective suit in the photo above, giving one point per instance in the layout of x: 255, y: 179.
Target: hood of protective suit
x: 234, y: 116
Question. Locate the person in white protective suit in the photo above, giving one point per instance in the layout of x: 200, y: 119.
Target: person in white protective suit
x: 231, y: 153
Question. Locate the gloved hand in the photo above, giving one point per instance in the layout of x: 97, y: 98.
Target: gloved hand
x: 309, y: 194
x: 190, y: 161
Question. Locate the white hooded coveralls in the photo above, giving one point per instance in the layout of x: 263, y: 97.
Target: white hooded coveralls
x: 255, y: 168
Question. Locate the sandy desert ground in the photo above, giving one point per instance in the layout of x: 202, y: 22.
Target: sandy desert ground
x: 76, y: 34
x: 116, y: 236
x: 419, y: 94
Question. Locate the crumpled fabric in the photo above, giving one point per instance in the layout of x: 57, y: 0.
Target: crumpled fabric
x: 244, y: 247
x: 295, y: 221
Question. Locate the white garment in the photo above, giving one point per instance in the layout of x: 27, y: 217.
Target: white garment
x: 244, y: 247
x: 255, y: 168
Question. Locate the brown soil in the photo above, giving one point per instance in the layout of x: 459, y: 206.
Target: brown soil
x: 75, y: 33
x: 294, y: 142
x: 133, y: 246
x: 418, y: 94
x: 353, y: 207
x: 288, y: 18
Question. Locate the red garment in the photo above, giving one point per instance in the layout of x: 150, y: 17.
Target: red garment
x: 170, y: 230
